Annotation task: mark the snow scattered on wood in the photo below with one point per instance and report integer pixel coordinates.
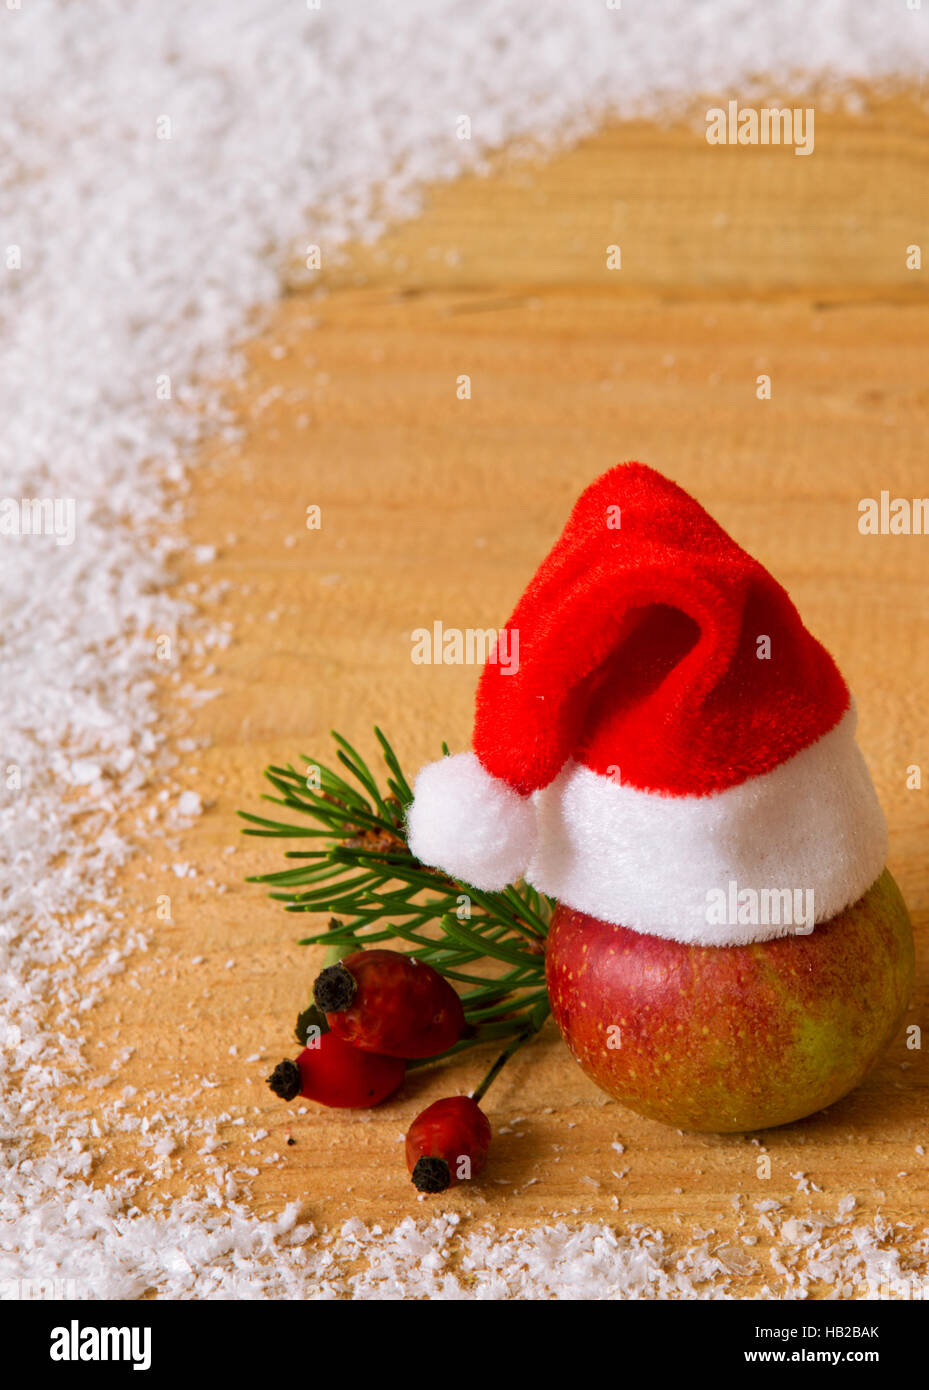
(158, 175)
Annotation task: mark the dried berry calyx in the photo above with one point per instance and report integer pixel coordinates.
(334, 990)
(285, 1079)
(431, 1175)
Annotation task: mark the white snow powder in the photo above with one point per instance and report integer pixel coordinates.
(158, 167)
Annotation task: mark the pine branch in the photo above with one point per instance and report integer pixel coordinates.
(366, 879)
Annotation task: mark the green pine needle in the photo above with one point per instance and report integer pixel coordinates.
(365, 878)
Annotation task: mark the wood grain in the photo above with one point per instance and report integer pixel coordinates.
(735, 262)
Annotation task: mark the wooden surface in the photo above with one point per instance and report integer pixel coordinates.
(735, 262)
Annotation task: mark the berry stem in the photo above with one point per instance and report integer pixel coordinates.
(521, 1038)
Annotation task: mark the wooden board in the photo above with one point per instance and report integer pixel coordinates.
(735, 262)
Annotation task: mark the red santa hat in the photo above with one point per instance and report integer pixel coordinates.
(663, 727)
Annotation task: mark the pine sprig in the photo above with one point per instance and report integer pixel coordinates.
(366, 879)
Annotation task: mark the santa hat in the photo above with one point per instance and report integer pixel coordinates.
(663, 727)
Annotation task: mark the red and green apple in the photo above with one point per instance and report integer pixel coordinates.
(732, 1037)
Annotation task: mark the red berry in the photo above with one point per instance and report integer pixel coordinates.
(388, 1002)
(333, 1073)
(447, 1143)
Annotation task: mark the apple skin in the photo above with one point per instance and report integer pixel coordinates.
(726, 1038)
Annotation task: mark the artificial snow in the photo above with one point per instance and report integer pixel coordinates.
(213, 1248)
(160, 169)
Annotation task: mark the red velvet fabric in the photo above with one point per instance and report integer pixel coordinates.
(638, 652)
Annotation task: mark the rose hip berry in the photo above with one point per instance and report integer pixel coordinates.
(335, 1074)
(447, 1143)
(388, 1002)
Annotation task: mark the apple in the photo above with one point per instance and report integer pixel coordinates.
(726, 1038)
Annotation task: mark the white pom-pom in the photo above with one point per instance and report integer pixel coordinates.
(469, 823)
